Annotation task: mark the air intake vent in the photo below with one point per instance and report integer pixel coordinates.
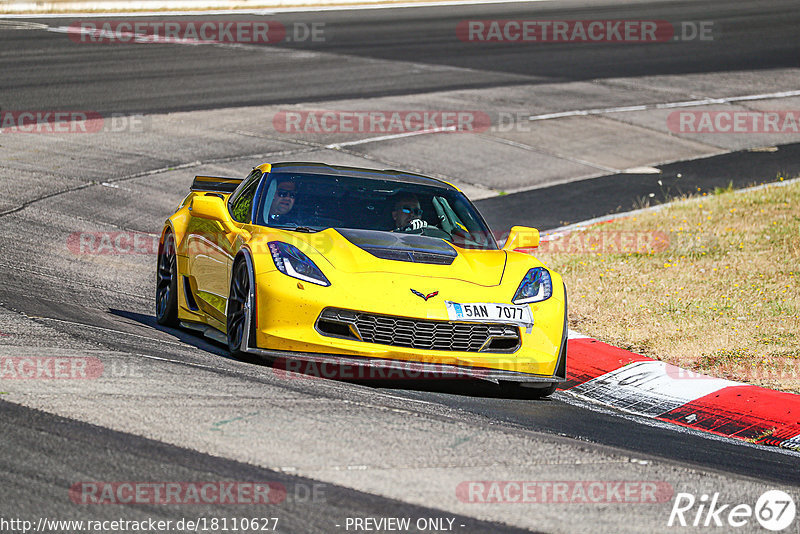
(410, 256)
(418, 333)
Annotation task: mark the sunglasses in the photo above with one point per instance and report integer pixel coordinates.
(409, 211)
(283, 193)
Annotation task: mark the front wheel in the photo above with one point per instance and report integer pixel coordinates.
(167, 283)
(239, 305)
(522, 391)
(538, 393)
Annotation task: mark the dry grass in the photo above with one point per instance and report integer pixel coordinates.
(709, 283)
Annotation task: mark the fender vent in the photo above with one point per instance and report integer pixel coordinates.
(187, 290)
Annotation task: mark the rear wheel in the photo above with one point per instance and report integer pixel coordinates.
(167, 283)
(239, 305)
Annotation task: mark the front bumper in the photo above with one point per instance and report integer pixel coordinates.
(287, 310)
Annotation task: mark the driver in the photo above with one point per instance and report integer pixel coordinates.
(283, 201)
(407, 214)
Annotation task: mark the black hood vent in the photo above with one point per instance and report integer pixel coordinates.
(401, 247)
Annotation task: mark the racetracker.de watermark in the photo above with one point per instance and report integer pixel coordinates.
(786, 369)
(115, 243)
(169, 493)
(50, 368)
(381, 121)
(194, 32)
(335, 369)
(563, 491)
(112, 243)
(71, 122)
(120, 243)
(68, 368)
(583, 31)
(606, 242)
(734, 122)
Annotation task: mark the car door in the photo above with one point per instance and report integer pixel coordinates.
(214, 246)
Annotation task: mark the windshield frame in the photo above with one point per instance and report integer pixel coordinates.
(433, 189)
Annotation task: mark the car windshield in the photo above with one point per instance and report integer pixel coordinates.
(313, 202)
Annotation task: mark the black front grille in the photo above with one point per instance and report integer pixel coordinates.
(418, 333)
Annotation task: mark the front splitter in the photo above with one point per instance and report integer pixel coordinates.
(355, 368)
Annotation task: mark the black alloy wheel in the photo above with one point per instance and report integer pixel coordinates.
(167, 284)
(238, 307)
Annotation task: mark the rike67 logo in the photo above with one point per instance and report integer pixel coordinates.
(774, 510)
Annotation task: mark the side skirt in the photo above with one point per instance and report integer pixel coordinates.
(208, 331)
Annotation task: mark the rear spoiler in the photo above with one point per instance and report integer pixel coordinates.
(215, 184)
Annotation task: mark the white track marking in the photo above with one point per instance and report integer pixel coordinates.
(336, 146)
(792, 443)
(664, 105)
(557, 233)
(577, 335)
(21, 25)
(572, 159)
(194, 4)
(182, 362)
(114, 330)
(570, 398)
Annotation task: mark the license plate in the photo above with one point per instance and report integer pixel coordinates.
(487, 312)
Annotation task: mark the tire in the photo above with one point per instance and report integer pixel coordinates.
(519, 391)
(538, 393)
(239, 308)
(167, 283)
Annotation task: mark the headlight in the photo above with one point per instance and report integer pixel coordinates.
(535, 287)
(290, 261)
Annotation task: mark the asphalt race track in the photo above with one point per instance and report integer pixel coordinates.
(172, 406)
(124, 78)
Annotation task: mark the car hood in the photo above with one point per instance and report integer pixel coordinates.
(363, 251)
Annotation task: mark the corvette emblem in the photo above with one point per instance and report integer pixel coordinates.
(426, 297)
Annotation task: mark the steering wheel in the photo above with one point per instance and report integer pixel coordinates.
(413, 225)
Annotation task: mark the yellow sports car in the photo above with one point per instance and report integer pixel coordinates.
(307, 261)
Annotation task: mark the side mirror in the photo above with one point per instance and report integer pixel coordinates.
(211, 207)
(522, 237)
(208, 207)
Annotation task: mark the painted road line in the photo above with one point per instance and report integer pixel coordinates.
(663, 105)
(337, 146)
(572, 334)
(793, 443)
(192, 6)
(563, 231)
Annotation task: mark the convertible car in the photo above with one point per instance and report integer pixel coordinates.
(302, 261)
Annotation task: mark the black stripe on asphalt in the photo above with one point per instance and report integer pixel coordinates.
(559, 205)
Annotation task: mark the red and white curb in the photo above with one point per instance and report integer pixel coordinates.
(636, 384)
